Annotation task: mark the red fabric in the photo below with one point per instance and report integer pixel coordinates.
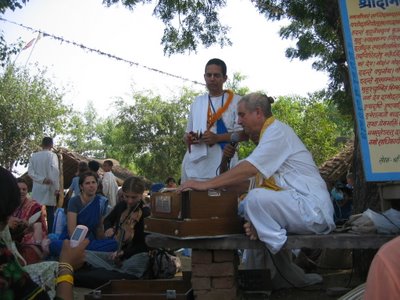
(31, 252)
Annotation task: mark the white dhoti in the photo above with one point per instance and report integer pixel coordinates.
(275, 213)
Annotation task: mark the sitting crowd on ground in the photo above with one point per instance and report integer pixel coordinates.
(116, 237)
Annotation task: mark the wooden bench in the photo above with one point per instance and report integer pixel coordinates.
(215, 263)
(240, 241)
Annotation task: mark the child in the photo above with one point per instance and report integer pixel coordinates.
(126, 224)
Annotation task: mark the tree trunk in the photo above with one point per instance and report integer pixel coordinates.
(365, 195)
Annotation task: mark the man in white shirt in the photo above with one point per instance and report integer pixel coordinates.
(212, 122)
(290, 195)
(110, 186)
(44, 170)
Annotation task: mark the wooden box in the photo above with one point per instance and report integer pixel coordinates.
(143, 289)
(194, 205)
(194, 227)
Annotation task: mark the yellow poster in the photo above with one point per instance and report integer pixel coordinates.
(372, 38)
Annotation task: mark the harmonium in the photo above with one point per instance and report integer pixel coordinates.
(194, 214)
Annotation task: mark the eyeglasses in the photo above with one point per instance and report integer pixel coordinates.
(215, 75)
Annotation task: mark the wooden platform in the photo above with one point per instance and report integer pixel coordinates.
(207, 265)
(240, 241)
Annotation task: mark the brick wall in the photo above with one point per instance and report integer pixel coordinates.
(213, 274)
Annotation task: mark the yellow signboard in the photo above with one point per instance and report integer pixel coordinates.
(372, 39)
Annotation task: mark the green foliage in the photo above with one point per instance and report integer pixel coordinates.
(187, 23)
(112, 138)
(84, 133)
(11, 4)
(317, 123)
(234, 84)
(7, 50)
(245, 148)
(315, 24)
(149, 134)
(30, 107)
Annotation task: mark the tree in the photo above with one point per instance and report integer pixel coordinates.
(30, 107)
(112, 137)
(317, 123)
(316, 26)
(7, 50)
(150, 132)
(235, 84)
(83, 133)
(11, 4)
(187, 23)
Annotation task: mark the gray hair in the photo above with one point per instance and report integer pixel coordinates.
(254, 100)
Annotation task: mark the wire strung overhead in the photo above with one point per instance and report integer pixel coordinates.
(131, 63)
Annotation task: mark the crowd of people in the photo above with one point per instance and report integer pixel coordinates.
(281, 192)
(115, 240)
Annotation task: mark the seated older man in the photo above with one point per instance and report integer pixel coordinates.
(288, 194)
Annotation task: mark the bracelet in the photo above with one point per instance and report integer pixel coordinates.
(65, 278)
(64, 272)
(67, 266)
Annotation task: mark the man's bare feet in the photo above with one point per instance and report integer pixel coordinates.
(250, 231)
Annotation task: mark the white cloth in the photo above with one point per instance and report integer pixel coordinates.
(199, 120)
(110, 188)
(303, 206)
(203, 165)
(44, 164)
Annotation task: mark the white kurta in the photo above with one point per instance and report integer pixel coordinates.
(203, 162)
(44, 164)
(303, 205)
(110, 188)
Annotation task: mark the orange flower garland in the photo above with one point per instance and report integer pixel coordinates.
(220, 111)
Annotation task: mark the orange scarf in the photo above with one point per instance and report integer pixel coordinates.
(212, 118)
(268, 183)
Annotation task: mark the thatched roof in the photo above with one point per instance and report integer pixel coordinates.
(69, 164)
(338, 166)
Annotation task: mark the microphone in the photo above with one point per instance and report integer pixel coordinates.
(234, 142)
(226, 161)
(235, 138)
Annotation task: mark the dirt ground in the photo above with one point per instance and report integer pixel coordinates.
(334, 268)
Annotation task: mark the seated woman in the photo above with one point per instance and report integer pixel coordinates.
(125, 223)
(87, 209)
(16, 282)
(28, 227)
(74, 188)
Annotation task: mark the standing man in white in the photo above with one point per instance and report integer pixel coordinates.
(110, 186)
(44, 170)
(211, 124)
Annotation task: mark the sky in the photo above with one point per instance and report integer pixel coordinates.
(135, 35)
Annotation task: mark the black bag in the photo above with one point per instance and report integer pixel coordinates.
(163, 264)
